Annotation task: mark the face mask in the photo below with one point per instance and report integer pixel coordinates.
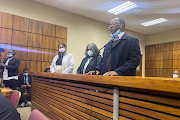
(9, 56)
(175, 76)
(116, 33)
(90, 53)
(25, 73)
(62, 50)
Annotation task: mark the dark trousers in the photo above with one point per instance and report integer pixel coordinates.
(11, 83)
(25, 98)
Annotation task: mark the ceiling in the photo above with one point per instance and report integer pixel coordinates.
(151, 9)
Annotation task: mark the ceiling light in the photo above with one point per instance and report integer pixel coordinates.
(153, 22)
(122, 8)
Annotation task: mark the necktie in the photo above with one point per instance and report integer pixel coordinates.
(25, 80)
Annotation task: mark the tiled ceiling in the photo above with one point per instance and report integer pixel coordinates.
(151, 9)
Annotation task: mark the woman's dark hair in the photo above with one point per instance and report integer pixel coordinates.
(93, 48)
(46, 69)
(62, 44)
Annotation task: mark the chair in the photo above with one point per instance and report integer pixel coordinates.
(15, 97)
(37, 115)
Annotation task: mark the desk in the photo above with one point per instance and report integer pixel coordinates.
(7, 92)
(82, 97)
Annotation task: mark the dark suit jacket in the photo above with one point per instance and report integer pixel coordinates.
(21, 80)
(7, 110)
(91, 65)
(125, 56)
(13, 66)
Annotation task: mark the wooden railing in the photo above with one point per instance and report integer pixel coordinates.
(81, 97)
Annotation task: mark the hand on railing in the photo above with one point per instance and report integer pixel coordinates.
(93, 72)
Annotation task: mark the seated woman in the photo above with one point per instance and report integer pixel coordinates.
(63, 62)
(88, 63)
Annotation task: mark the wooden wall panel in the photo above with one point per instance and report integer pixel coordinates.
(58, 41)
(160, 47)
(5, 20)
(159, 64)
(61, 32)
(176, 64)
(168, 73)
(176, 54)
(152, 48)
(168, 64)
(35, 26)
(5, 35)
(49, 29)
(48, 42)
(159, 72)
(20, 38)
(159, 55)
(23, 64)
(176, 45)
(45, 65)
(146, 49)
(20, 23)
(34, 54)
(35, 40)
(168, 46)
(21, 52)
(168, 55)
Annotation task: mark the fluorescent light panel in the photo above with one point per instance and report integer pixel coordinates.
(153, 22)
(122, 8)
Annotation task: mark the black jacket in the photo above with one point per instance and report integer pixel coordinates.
(13, 66)
(21, 80)
(91, 65)
(125, 56)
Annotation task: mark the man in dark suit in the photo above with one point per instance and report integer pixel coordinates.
(25, 82)
(7, 110)
(10, 67)
(122, 54)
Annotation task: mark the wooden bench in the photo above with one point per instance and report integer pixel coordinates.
(80, 97)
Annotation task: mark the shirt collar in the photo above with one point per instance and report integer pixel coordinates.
(119, 36)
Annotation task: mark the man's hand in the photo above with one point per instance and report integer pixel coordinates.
(93, 72)
(28, 85)
(2, 64)
(24, 86)
(110, 73)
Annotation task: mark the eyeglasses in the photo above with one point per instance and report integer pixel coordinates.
(113, 24)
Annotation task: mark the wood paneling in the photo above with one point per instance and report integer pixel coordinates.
(35, 26)
(176, 54)
(152, 48)
(49, 42)
(160, 47)
(61, 32)
(5, 20)
(168, 55)
(20, 23)
(35, 40)
(21, 52)
(176, 64)
(58, 41)
(34, 54)
(168, 46)
(49, 29)
(159, 55)
(176, 45)
(168, 64)
(5, 35)
(168, 73)
(20, 38)
(23, 64)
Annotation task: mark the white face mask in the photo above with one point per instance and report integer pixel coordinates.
(62, 50)
(175, 76)
(90, 53)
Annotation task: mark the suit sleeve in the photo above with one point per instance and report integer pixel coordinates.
(134, 59)
(15, 67)
(1, 67)
(19, 81)
(79, 68)
(99, 60)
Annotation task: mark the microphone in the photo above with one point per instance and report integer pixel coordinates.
(97, 56)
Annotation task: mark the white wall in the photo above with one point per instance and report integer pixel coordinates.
(81, 30)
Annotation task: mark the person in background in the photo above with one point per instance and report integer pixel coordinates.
(47, 70)
(10, 67)
(88, 63)
(25, 81)
(63, 62)
(7, 109)
(122, 54)
(176, 74)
